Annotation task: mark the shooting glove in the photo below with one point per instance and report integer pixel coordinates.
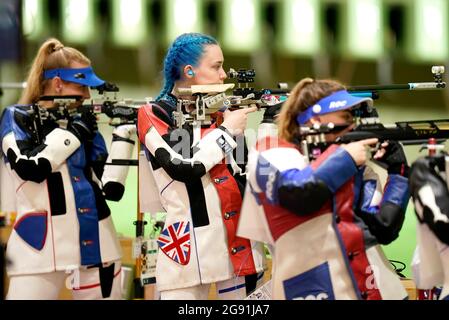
(271, 113)
(83, 127)
(395, 159)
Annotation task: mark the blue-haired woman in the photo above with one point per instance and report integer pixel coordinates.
(199, 180)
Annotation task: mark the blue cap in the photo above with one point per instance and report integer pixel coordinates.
(84, 76)
(340, 100)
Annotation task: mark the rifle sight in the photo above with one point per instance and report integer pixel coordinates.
(242, 75)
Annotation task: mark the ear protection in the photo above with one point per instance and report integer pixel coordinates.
(190, 72)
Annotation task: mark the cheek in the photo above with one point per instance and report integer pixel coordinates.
(66, 91)
(208, 77)
(71, 89)
(75, 91)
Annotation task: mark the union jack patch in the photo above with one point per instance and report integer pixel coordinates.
(174, 241)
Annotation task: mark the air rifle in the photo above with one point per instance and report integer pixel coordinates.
(11, 86)
(119, 111)
(208, 99)
(313, 139)
(65, 107)
(245, 95)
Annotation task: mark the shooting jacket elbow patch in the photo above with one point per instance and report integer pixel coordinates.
(29, 169)
(301, 192)
(178, 169)
(182, 166)
(386, 224)
(304, 200)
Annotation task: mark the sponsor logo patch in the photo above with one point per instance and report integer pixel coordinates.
(314, 284)
(224, 145)
(338, 104)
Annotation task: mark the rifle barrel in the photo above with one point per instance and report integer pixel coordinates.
(13, 85)
(379, 87)
(407, 86)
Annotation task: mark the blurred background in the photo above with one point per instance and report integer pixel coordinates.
(357, 42)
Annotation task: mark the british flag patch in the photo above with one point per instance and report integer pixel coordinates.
(174, 241)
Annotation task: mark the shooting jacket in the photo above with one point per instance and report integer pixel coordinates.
(431, 198)
(324, 220)
(60, 188)
(200, 186)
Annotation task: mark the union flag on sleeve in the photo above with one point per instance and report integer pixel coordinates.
(174, 241)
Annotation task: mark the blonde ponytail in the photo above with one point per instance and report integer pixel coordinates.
(306, 93)
(51, 55)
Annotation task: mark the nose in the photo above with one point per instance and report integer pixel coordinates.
(86, 94)
(223, 74)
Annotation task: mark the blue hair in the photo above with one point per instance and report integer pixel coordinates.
(188, 48)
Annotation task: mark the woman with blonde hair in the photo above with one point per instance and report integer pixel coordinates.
(63, 226)
(325, 218)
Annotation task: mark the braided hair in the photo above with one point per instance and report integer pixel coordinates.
(186, 49)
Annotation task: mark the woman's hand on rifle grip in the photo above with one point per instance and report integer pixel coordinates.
(358, 150)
